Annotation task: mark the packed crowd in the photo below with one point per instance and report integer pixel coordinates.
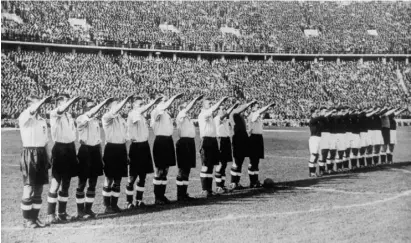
(295, 86)
(272, 26)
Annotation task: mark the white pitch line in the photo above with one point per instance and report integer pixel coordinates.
(227, 218)
(403, 170)
(337, 191)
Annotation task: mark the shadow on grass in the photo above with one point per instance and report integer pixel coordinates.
(280, 188)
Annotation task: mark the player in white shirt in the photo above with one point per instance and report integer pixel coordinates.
(224, 133)
(209, 145)
(63, 157)
(185, 148)
(34, 162)
(115, 154)
(141, 162)
(256, 151)
(163, 147)
(89, 157)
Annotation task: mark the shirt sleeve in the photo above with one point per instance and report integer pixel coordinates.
(24, 117)
(82, 121)
(181, 115)
(208, 114)
(255, 116)
(107, 118)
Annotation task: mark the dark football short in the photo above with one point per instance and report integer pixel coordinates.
(115, 160)
(164, 152)
(226, 154)
(209, 151)
(186, 153)
(90, 161)
(140, 159)
(34, 165)
(256, 146)
(64, 160)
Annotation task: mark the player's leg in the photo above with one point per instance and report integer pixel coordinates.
(220, 177)
(236, 172)
(160, 183)
(253, 172)
(339, 160)
(80, 196)
(37, 201)
(182, 186)
(107, 191)
(63, 198)
(354, 158)
(115, 194)
(140, 188)
(322, 161)
(52, 198)
(313, 143)
(90, 195)
(369, 155)
(331, 160)
(206, 177)
(130, 191)
(27, 206)
(390, 153)
(383, 153)
(346, 159)
(376, 153)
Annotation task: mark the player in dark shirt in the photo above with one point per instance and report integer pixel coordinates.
(355, 138)
(315, 125)
(325, 137)
(333, 124)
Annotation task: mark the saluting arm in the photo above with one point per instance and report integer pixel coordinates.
(35, 107)
(191, 104)
(243, 107)
(97, 108)
(389, 112)
(400, 111)
(372, 112)
(229, 111)
(171, 100)
(149, 105)
(64, 108)
(122, 103)
(218, 104)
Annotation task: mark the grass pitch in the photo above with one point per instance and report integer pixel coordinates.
(368, 206)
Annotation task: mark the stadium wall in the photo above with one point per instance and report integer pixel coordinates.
(199, 54)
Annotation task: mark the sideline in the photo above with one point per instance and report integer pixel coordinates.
(229, 217)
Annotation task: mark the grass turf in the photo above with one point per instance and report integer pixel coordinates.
(369, 206)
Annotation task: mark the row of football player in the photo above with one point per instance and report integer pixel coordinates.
(88, 164)
(343, 136)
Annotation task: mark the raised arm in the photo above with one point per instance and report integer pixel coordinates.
(400, 111)
(243, 107)
(371, 113)
(262, 110)
(218, 104)
(97, 108)
(191, 104)
(330, 112)
(171, 100)
(149, 105)
(63, 108)
(122, 103)
(389, 112)
(229, 111)
(35, 107)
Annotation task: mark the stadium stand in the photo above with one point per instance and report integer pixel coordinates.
(261, 27)
(295, 86)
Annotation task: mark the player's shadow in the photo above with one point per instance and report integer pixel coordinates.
(259, 194)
